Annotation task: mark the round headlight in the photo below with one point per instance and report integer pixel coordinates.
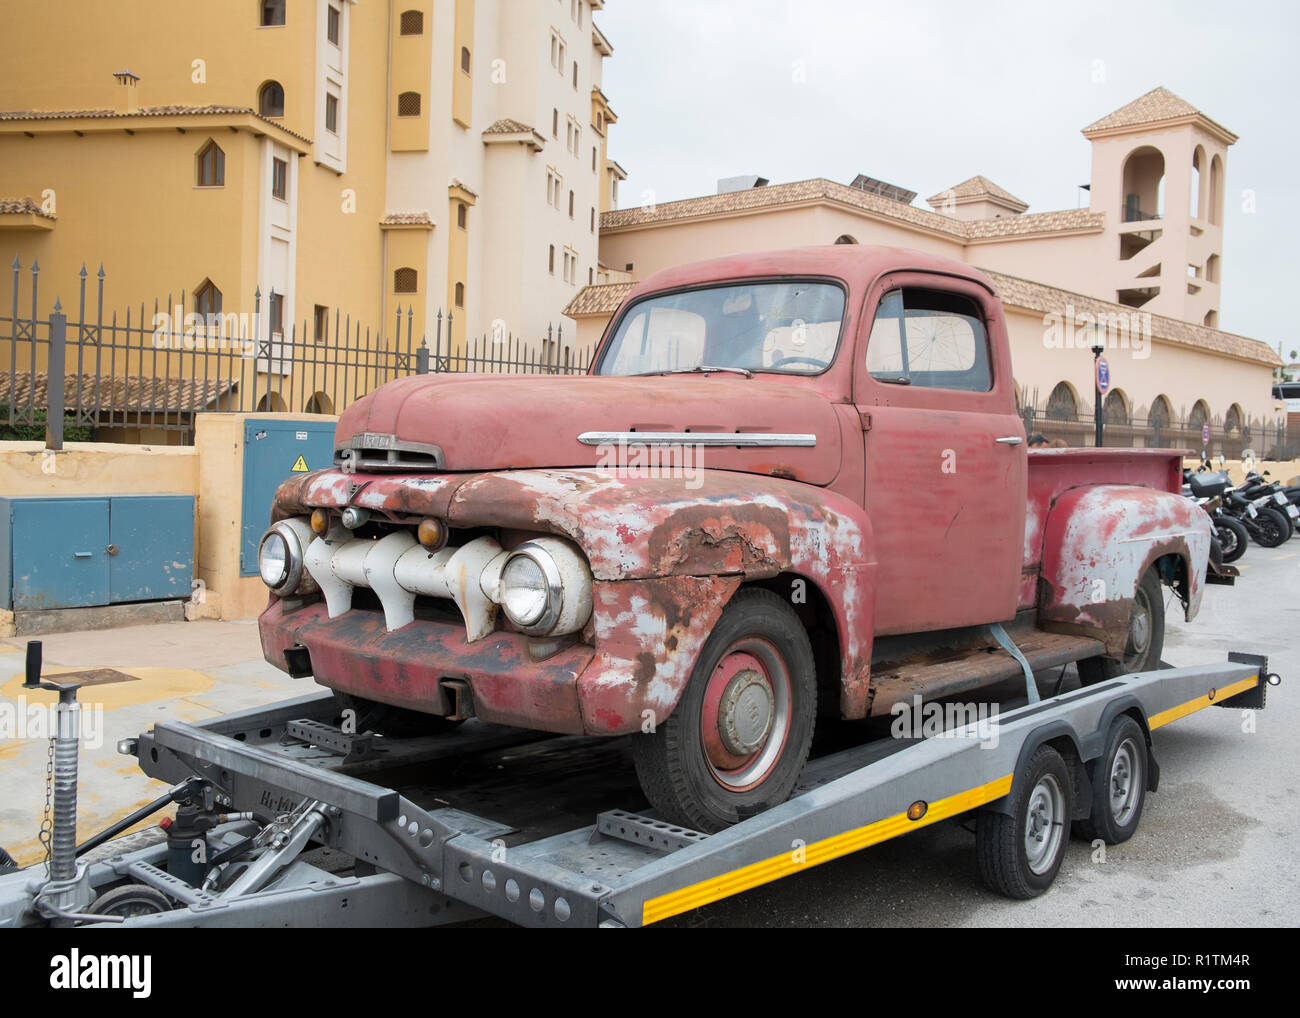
(273, 559)
(280, 557)
(526, 591)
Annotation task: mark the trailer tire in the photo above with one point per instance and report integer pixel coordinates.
(395, 722)
(1119, 785)
(7, 864)
(1040, 817)
(737, 741)
(1146, 636)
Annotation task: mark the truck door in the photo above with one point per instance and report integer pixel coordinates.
(945, 454)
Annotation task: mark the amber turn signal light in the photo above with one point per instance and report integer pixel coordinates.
(431, 533)
(917, 809)
(320, 521)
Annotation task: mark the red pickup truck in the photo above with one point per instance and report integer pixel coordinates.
(792, 484)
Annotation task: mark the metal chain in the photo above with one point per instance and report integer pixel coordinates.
(47, 821)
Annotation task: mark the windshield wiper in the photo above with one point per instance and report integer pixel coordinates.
(700, 369)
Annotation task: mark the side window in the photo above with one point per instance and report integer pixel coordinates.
(929, 338)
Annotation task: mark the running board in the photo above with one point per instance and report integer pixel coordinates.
(934, 675)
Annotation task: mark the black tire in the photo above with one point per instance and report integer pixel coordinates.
(131, 900)
(1272, 528)
(1233, 538)
(1119, 785)
(1040, 815)
(707, 775)
(1146, 637)
(396, 722)
(7, 864)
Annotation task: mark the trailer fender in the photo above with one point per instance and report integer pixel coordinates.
(1066, 740)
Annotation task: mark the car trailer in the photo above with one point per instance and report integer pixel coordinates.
(285, 819)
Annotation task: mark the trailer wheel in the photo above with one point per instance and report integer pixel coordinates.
(7, 864)
(396, 722)
(738, 739)
(1119, 785)
(1146, 636)
(1019, 855)
(131, 900)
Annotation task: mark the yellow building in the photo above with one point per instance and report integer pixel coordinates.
(337, 158)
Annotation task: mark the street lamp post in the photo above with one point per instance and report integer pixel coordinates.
(1097, 349)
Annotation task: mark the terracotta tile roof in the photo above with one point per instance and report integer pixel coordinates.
(1023, 293)
(1035, 222)
(507, 127)
(818, 188)
(978, 187)
(1156, 106)
(146, 111)
(10, 206)
(132, 393)
(406, 219)
(1020, 293)
(828, 190)
(598, 300)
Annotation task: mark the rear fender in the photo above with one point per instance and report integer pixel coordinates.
(1099, 541)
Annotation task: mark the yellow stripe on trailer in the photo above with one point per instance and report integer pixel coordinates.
(716, 888)
(1192, 706)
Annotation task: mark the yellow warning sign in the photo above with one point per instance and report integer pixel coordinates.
(299, 466)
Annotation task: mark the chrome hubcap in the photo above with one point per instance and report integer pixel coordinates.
(746, 712)
(1125, 782)
(1044, 823)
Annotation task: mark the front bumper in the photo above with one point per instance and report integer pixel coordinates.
(354, 653)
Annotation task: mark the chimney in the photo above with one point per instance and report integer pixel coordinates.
(127, 96)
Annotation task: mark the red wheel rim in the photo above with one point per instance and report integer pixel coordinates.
(746, 714)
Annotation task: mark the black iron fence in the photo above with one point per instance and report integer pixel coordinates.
(139, 369)
(1070, 427)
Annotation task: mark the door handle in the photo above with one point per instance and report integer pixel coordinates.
(1010, 440)
(81, 554)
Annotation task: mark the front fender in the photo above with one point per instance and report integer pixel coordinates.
(1098, 543)
(716, 530)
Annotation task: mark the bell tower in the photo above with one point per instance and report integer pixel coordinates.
(1158, 168)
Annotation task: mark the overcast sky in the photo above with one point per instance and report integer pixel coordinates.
(924, 95)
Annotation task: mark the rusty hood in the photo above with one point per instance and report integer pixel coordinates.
(491, 422)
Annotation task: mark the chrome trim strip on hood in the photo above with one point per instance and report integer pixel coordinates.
(743, 439)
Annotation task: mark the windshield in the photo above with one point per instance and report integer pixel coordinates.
(790, 327)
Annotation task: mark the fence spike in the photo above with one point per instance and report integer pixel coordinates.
(83, 272)
(17, 264)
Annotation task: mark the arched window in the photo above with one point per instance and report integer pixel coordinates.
(1144, 178)
(1062, 404)
(211, 166)
(319, 404)
(1160, 413)
(1232, 419)
(406, 280)
(462, 214)
(408, 104)
(1216, 191)
(460, 295)
(272, 402)
(207, 299)
(1199, 416)
(845, 238)
(272, 13)
(1196, 201)
(1114, 409)
(412, 23)
(464, 59)
(1212, 269)
(1211, 319)
(270, 100)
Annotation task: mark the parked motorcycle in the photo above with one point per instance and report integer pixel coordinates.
(1206, 490)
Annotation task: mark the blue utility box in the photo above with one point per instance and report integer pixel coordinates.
(77, 551)
(275, 450)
